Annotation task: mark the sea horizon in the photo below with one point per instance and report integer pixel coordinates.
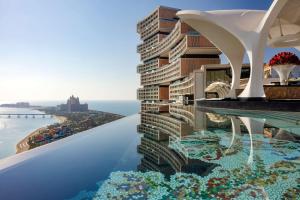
(122, 107)
(13, 130)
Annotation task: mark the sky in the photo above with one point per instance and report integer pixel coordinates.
(51, 49)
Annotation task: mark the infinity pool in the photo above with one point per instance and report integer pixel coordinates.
(186, 153)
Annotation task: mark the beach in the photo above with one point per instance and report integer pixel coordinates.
(23, 145)
(60, 119)
(77, 122)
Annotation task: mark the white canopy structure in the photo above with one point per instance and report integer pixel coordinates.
(220, 88)
(285, 31)
(235, 32)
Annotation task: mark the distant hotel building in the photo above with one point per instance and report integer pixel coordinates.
(16, 105)
(73, 105)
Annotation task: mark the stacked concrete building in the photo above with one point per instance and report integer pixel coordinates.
(171, 52)
(172, 55)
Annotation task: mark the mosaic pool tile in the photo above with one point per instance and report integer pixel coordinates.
(245, 166)
(256, 182)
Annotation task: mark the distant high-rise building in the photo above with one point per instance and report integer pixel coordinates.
(73, 105)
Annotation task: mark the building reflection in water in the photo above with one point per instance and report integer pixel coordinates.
(175, 134)
(158, 129)
(184, 138)
(191, 153)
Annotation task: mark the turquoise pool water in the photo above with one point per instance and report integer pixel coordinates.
(186, 153)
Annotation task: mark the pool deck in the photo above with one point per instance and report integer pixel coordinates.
(252, 104)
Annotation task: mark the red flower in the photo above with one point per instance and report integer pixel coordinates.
(283, 58)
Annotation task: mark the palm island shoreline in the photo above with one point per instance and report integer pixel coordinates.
(23, 145)
(72, 118)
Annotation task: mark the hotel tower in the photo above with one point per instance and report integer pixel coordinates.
(172, 59)
(171, 54)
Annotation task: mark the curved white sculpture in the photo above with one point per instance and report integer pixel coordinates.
(254, 126)
(236, 129)
(221, 38)
(235, 32)
(220, 88)
(283, 71)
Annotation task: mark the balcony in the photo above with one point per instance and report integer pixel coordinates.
(193, 44)
(162, 75)
(168, 42)
(185, 113)
(163, 19)
(149, 43)
(154, 107)
(151, 65)
(153, 93)
(156, 26)
(181, 87)
(166, 124)
(181, 68)
(151, 132)
(147, 21)
(151, 155)
(175, 160)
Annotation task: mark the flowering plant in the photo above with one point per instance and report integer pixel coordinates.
(284, 58)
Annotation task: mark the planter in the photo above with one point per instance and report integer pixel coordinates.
(283, 71)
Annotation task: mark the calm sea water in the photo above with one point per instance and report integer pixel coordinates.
(14, 129)
(123, 107)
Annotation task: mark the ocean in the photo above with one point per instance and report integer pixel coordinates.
(122, 107)
(14, 129)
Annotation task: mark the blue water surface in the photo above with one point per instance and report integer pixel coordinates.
(62, 169)
(186, 153)
(14, 129)
(122, 107)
